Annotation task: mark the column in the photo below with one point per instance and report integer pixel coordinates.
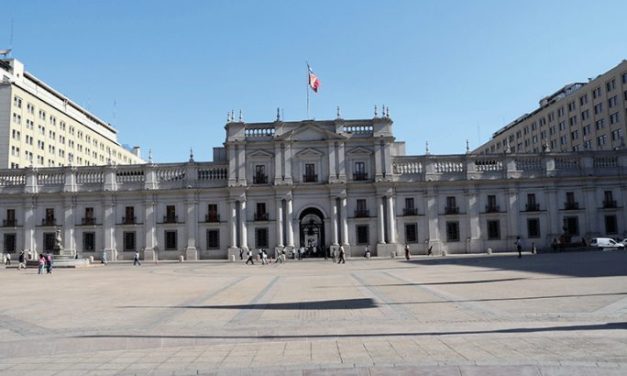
(344, 203)
(288, 162)
(341, 160)
(590, 225)
(241, 163)
(30, 206)
(381, 220)
(474, 225)
(150, 231)
(334, 221)
(332, 169)
(378, 168)
(191, 225)
(512, 211)
(108, 226)
(391, 220)
(243, 225)
(232, 163)
(290, 232)
(69, 241)
(278, 172)
(551, 202)
(279, 222)
(233, 223)
(432, 216)
(387, 160)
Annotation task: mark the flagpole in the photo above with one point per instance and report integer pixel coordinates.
(307, 88)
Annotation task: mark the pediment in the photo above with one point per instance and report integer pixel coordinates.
(260, 154)
(359, 151)
(310, 132)
(309, 153)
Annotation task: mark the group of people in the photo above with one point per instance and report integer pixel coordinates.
(21, 259)
(45, 262)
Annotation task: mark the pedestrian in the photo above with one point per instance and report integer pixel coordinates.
(342, 259)
(533, 248)
(21, 264)
(367, 253)
(554, 245)
(430, 250)
(104, 258)
(407, 251)
(250, 257)
(264, 257)
(49, 263)
(136, 259)
(518, 246)
(241, 253)
(42, 263)
(301, 250)
(8, 259)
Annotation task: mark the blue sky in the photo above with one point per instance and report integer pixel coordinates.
(165, 73)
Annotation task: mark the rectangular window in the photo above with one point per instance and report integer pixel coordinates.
(129, 217)
(260, 175)
(533, 228)
(571, 226)
(596, 93)
(10, 243)
(310, 173)
(89, 241)
(452, 231)
(494, 230)
(612, 101)
(362, 234)
(213, 239)
(129, 241)
(261, 237)
(411, 233)
(614, 118)
(212, 213)
(170, 240)
(611, 85)
(360, 171)
(170, 214)
(611, 226)
(598, 108)
(49, 241)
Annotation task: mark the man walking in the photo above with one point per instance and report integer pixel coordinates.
(21, 264)
(407, 252)
(342, 259)
(136, 259)
(518, 246)
(241, 253)
(8, 259)
(250, 257)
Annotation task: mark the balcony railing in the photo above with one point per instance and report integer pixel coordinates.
(410, 211)
(531, 207)
(129, 220)
(310, 178)
(451, 210)
(360, 176)
(9, 222)
(362, 213)
(571, 205)
(212, 218)
(492, 209)
(261, 216)
(260, 179)
(88, 221)
(49, 222)
(170, 219)
(609, 204)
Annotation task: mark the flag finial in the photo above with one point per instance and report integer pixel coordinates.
(278, 114)
(149, 155)
(427, 148)
(191, 154)
(241, 116)
(467, 147)
(338, 115)
(375, 110)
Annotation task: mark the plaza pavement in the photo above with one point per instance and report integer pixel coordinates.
(549, 314)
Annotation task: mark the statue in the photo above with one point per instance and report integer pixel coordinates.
(58, 244)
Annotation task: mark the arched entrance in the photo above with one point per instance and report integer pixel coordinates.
(311, 224)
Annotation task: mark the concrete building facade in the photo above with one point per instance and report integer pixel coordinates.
(579, 117)
(316, 184)
(41, 127)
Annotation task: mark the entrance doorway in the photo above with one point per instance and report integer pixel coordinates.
(311, 223)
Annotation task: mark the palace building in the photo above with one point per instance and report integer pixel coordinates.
(316, 184)
(41, 127)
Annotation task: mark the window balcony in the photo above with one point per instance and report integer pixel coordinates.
(410, 211)
(571, 205)
(492, 209)
(609, 204)
(49, 222)
(260, 179)
(360, 176)
(310, 178)
(170, 219)
(9, 222)
(88, 221)
(261, 216)
(451, 210)
(129, 220)
(362, 213)
(212, 218)
(531, 207)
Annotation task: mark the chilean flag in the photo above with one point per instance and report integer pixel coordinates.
(314, 82)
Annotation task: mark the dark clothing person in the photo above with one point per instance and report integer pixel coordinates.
(49, 263)
(136, 259)
(518, 246)
(407, 252)
(241, 254)
(250, 258)
(342, 259)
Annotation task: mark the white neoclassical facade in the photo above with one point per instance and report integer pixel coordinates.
(316, 184)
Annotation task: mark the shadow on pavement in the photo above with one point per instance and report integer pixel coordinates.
(321, 304)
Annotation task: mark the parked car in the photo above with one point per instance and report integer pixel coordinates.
(606, 243)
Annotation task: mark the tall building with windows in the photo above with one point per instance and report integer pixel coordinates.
(580, 116)
(41, 127)
(283, 185)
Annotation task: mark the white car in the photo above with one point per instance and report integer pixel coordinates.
(606, 243)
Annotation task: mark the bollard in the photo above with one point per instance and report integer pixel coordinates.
(91, 259)
(232, 258)
(181, 258)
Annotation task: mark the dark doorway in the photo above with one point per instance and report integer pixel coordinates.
(311, 223)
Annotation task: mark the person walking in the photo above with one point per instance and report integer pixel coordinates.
(250, 257)
(8, 259)
(49, 263)
(136, 259)
(241, 253)
(342, 259)
(518, 246)
(42, 263)
(264, 257)
(407, 251)
(21, 264)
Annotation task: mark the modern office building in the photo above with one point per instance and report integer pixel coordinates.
(580, 116)
(41, 127)
(316, 184)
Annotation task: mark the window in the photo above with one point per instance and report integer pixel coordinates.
(129, 215)
(571, 106)
(261, 214)
(611, 85)
(452, 231)
(560, 112)
(494, 230)
(561, 125)
(10, 220)
(212, 213)
(574, 135)
(611, 226)
(170, 239)
(362, 234)
(598, 108)
(596, 93)
(89, 217)
(170, 214)
(310, 173)
(533, 228)
(612, 101)
(49, 218)
(411, 233)
(608, 200)
(128, 241)
(451, 204)
(360, 171)
(599, 124)
(617, 135)
(625, 78)
(213, 239)
(89, 242)
(583, 99)
(571, 226)
(614, 118)
(10, 243)
(585, 115)
(261, 237)
(586, 130)
(601, 140)
(491, 207)
(49, 241)
(260, 175)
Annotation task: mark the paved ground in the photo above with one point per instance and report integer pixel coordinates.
(555, 314)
